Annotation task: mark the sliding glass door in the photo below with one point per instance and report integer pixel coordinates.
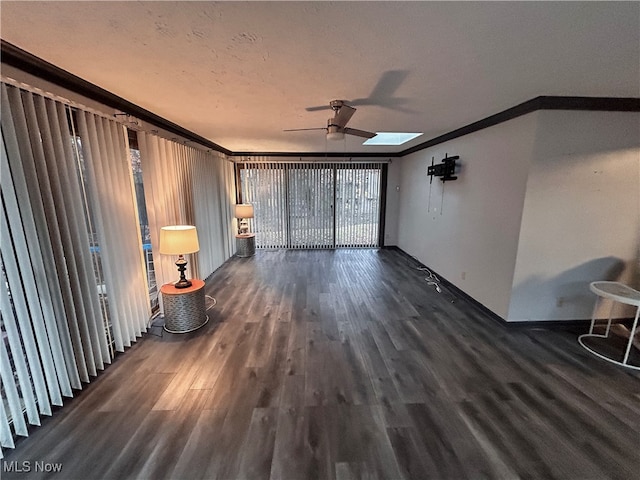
(357, 206)
(265, 187)
(313, 205)
(311, 211)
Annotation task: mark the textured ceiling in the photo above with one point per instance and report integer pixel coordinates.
(238, 73)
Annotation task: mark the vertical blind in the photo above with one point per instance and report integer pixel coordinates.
(113, 204)
(187, 186)
(313, 205)
(73, 284)
(74, 288)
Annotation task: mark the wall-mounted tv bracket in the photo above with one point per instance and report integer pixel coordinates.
(445, 171)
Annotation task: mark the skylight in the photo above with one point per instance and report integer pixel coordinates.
(391, 138)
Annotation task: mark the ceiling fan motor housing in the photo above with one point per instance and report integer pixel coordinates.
(336, 104)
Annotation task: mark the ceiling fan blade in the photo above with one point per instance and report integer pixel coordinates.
(383, 93)
(357, 102)
(330, 106)
(343, 115)
(303, 129)
(359, 133)
(318, 108)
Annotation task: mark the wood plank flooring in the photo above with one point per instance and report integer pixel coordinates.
(345, 365)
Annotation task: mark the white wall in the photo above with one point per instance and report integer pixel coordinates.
(581, 218)
(393, 203)
(544, 204)
(469, 235)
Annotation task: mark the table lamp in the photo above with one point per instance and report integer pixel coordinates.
(179, 240)
(243, 211)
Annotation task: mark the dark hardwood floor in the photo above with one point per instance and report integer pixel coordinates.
(346, 365)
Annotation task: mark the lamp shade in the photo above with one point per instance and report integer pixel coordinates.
(244, 210)
(178, 240)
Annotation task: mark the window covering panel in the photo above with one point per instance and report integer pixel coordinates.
(188, 186)
(26, 247)
(72, 266)
(112, 198)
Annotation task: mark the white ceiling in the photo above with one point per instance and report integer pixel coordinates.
(238, 73)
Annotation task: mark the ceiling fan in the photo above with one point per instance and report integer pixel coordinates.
(336, 127)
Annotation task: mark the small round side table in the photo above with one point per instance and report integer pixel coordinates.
(246, 244)
(615, 292)
(184, 308)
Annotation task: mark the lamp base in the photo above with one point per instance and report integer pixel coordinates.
(183, 283)
(243, 228)
(181, 263)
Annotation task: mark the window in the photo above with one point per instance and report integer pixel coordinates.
(92, 234)
(65, 222)
(313, 205)
(143, 219)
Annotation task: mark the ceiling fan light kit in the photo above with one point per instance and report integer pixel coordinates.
(334, 133)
